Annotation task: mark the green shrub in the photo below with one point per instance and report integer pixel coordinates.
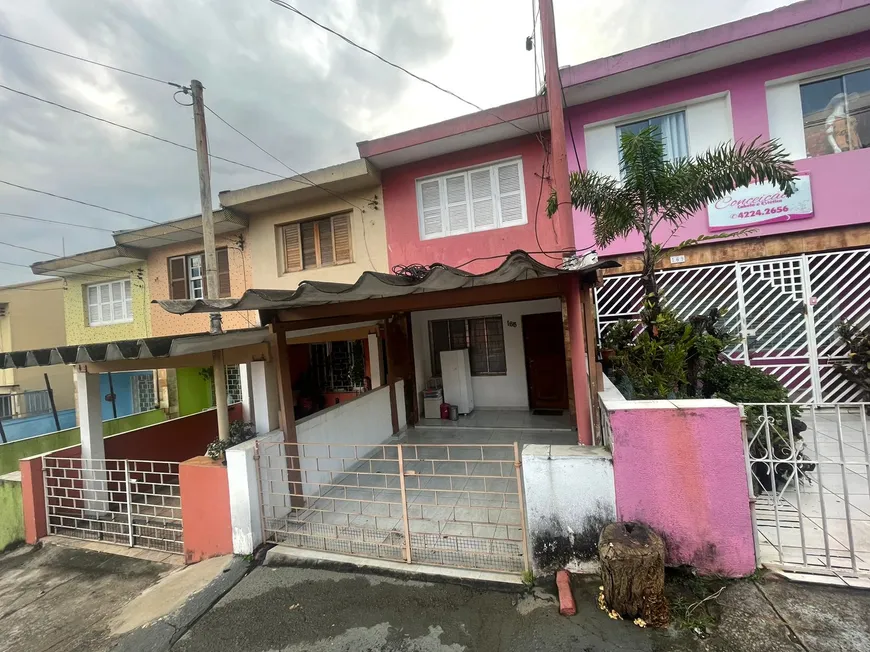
(857, 340)
(239, 431)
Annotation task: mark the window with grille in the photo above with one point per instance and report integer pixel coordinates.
(109, 303)
(317, 243)
(234, 384)
(482, 336)
(338, 366)
(144, 398)
(477, 199)
(187, 277)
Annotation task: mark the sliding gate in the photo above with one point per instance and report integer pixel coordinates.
(446, 505)
(786, 311)
(128, 502)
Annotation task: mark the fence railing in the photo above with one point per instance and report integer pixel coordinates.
(450, 505)
(809, 471)
(25, 404)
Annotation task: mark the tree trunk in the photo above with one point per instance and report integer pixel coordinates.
(651, 301)
(633, 572)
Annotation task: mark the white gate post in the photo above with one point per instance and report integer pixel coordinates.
(264, 388)
(93, 447)
(249, 409)
(812, 347)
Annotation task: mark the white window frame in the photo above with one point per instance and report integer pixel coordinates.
(191, 290)
(466, 172)
(619, 124)
(125, 300)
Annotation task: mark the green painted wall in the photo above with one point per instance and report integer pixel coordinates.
(11, 513)
(194, 391)
(15, 450)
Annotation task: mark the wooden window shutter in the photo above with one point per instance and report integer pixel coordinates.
(341, 238)
(309, 245)
(223, 264)
(326, 250)
(177, 277)
(292, 248)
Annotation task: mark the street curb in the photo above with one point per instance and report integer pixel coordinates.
(162, 634)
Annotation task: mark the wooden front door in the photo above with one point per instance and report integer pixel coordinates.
(546, 370)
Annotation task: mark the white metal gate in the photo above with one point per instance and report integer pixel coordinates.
(786, 311)
(811, 486)
(129, 502)
(447, 505)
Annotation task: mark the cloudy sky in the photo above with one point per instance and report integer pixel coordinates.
(301, 93)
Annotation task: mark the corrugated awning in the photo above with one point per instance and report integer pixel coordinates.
(142, 349)
(519, 266)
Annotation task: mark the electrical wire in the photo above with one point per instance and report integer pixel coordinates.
(347, 40)
(74, 258)
(91, 61)
(307, 179)
(47, 221)
(137, 131)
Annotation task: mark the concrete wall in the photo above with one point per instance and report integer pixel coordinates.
(241, 276)
(369, 244)
(11, 511)
(761, 94)
(13, 451)
(570, 497)
(35, 320)
(193, 391)
(508, 391)
(205, 515)
(679, 467)
(76, 313)
(16, 429)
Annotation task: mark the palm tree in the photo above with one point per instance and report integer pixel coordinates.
(653, 191)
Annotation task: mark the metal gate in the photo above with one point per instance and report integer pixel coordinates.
(811, 486)
(786, 311)
(446, 505)
(129, 502)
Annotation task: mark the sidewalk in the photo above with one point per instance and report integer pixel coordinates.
(313, 610)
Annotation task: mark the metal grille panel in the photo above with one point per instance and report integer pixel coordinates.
(785, 309)
(446, 505)
(129, 502)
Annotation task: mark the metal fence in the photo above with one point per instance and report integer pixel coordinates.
(25, 404)
(130, 502)
(447, 505)
(786, 311)
(809, 470)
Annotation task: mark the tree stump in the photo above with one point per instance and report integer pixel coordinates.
(633, 572)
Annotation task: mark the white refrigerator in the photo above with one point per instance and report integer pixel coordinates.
(456, 378)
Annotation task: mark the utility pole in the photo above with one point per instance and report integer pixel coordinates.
(211, 271)
(559, 148)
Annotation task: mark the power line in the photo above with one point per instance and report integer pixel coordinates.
(347, 40)
(91, 61)
(80, 260)
(312, 183)
(47, 221)
(137, 131)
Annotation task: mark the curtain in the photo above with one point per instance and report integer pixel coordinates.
(673, 131)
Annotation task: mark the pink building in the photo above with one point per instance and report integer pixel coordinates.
(799, 74)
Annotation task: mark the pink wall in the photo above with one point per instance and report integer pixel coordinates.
(836, 180)
(681, 470)
(404, 245)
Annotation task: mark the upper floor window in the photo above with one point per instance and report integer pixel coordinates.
(187, 278)
(109, 303)
(671, 131)
(317, 243)
(477, 199)
(836, 113)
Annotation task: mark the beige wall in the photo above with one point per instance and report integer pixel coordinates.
(239, 255)
(368, 237)
(35, 320)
